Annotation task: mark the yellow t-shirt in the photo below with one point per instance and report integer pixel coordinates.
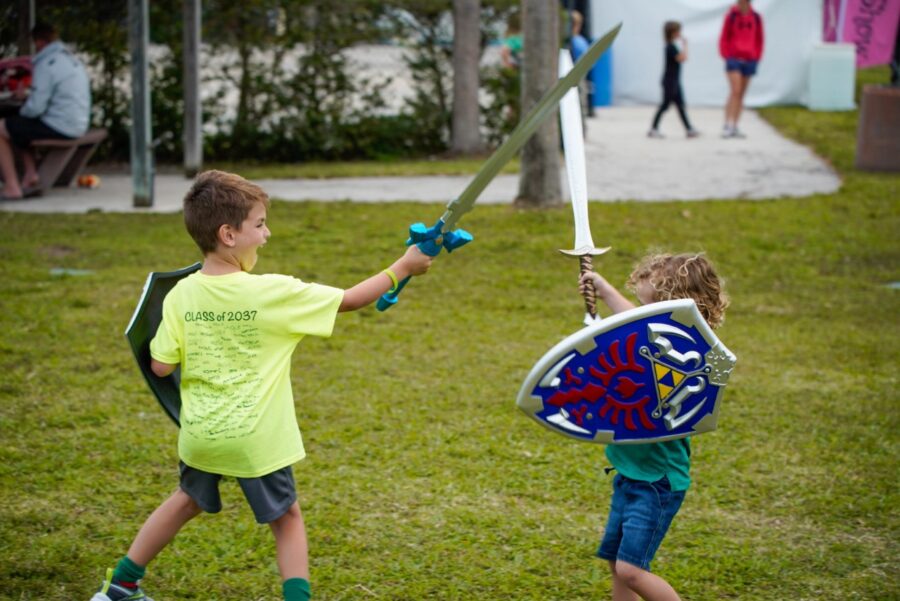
(233, 336)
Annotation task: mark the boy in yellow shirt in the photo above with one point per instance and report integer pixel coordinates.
(233, 334)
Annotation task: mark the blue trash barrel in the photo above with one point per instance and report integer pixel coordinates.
(601, 76)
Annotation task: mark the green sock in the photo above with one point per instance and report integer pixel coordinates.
(296, 589)
(127, 572)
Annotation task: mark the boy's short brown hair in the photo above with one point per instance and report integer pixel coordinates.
(684, 276)
(218, 198)
(670, 30)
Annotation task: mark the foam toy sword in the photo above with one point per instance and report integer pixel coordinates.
(430, 240)
(573, 144)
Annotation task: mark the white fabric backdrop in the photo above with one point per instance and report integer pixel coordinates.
(792, 29)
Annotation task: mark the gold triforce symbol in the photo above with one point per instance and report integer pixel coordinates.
(667, 380)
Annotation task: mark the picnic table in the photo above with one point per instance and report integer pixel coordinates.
(59, 161)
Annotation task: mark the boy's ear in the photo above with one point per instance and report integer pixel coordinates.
(225, 234)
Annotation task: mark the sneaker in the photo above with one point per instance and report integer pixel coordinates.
(114, 592)
(655, 133)
(727, 131)
(692, 133)
(736, 133)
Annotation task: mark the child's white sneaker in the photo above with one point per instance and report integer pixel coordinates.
(655, 133)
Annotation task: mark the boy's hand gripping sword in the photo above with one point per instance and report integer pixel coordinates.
(441, 234)
(573, 143)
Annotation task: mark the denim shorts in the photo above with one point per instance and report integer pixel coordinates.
(747, 68)
(639, 517)
(269, 496)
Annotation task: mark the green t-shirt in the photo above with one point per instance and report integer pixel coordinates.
(233, 336)
(650, 462)
(514, 43)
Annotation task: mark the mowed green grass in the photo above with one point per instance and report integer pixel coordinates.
(423, 480)
(323, 170)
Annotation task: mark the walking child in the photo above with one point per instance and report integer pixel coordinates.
(233, 334)
(671, 80)
(652, 478)
(741, 45)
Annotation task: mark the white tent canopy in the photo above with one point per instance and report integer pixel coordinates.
(792, 29)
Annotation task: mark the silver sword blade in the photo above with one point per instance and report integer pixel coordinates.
(573, 144)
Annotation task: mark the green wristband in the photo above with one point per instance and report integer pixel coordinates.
(393, 277)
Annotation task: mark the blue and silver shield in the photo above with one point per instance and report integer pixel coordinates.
(650, 374)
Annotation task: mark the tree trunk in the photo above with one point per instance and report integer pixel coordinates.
(465, 135)
(539, 181)
(242, 117)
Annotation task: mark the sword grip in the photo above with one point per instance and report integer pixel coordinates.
(590, 295)
(426, 239)
(423, 237)
(389, 299)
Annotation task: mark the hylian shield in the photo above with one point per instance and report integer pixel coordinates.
(141, 330)
(650, 374)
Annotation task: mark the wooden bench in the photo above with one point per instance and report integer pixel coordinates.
(60, 161)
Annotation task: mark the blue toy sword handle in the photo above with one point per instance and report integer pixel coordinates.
(425, 239)
(389, 299)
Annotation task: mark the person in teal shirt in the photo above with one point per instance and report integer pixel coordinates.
(651, 479)
(511, 50)
(233, 333)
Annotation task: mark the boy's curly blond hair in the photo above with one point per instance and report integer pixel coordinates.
(684, 276)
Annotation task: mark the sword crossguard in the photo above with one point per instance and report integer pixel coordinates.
(585, 250)
(426, 238)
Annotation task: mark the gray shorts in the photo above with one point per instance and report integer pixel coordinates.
(269, 496)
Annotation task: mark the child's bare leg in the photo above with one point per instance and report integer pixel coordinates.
(741, 91)
(620, 590)
(646, 584)
(291, 545)
(30, 176)
(11, 187)
(162, 526)
(732, 106)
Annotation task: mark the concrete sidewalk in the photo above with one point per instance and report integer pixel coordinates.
(623, 164)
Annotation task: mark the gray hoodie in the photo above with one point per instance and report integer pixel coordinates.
(60, 91)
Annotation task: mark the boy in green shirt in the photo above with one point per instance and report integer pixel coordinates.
(233, 334)
(652, 478)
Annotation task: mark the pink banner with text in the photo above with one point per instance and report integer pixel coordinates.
(870, 24)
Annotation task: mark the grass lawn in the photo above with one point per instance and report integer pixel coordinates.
(320, 170)
(423, 480)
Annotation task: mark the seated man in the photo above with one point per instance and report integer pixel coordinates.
(58, 106)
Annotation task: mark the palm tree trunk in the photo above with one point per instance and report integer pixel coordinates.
(465, 135)
(539, 181)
